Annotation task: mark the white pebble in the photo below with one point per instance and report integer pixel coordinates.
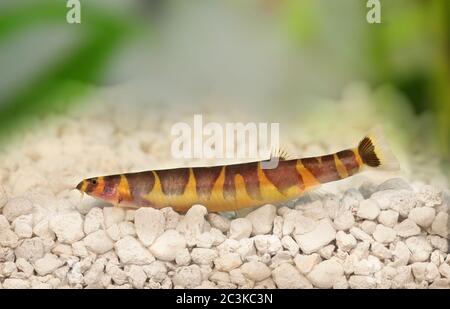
(191, 226)
(323, 234)
(423, 216)
(98, 242)
(131, 251)
(407, 228)
(388, 218)
(68, 227)
(344, 241)
(262, 219)
(255, 271)
(368, 209)
(240, 228)
(384, 234)
(187, 276)
(440, 225)
(219, 222)
(113, 215)
(203, 256)
(166, 246)
(94, 220)
(295, 222)
(16, 207)
(289, 244)
(47, 265)
(137, 276)
(305, 263)
(325, 274)
(149, 224)
(228, 262)
(344, 221)
(287, 276)
(183, 257)
(362, 282)
(419, 247)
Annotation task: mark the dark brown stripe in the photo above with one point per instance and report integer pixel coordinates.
(348, 159)
(140, 184)
(323, 168)
(173, 181)
(205, 178)
(249, 171)
(111, 184)
(285, 176)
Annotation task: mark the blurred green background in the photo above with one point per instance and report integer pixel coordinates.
(273, 52)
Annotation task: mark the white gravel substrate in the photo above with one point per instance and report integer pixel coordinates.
(381, 234)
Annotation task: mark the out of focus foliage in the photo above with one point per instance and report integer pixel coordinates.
(409, 51)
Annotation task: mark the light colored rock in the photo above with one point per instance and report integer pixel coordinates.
(113, 215)
(93, 276)
(68, 227)
(323, 234)
(384, 234)
(401, 254)
(7, 269)
(444, 269)
(423, 216)
(137, 276)
(171, 218)
(31, 249)
(47, 265)
(394, 184)
(344, 241)
(23, 226)
(407, 228)
(267, 244)
(294, 222)
(129, 214)
(439, 242)
(440, 284)
(25, 267)
(287, 276)
(131, 251)
(183, 257)
(305, 263)
(403, 277)
(166, 246)
(16, 207)
(419, 247)
(380, 251)
(7, 237)
(327, 251)
(12, 283)
(367, 266)
(206, 239)
(156, 271)
(42, 229)
(191, 226)
(114, 232)
(313, 210)
(289, 244)
(246, 248)
(203, 256)
(149, 224)
(362, 282)
(3, 197)
(126, 228)
(255, 271)
(228, 262)
(360, 234)
(325, 274)
(262, 219)
(62, 250)
(187, 276)
(240, 228)
(429, 196)
(94, 220)
(368, 209)
(425, 271)
(98, 242)
(344, 221)
(388, 218)
(368, 226)
(219, 222)
(441, 224)
(79, 249)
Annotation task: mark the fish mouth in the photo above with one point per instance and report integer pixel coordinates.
(81, 185)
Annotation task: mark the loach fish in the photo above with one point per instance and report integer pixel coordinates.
(237, 186)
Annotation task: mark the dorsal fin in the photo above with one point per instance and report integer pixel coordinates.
(282, 154)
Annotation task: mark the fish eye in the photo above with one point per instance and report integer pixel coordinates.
(94, 181)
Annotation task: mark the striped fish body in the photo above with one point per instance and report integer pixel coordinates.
(230, 187)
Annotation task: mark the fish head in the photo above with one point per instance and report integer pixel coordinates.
(103, 187)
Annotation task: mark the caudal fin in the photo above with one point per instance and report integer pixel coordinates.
(375, 151)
